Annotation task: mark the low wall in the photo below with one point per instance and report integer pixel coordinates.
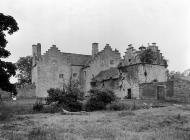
(174, 90)
(26, 91)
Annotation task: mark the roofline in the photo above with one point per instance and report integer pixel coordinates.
(139, 64)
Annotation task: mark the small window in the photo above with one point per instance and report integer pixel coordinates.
(61, 75)
(129, 93)
(145, 73)
(84, 73)
(129, 60)
(111, 62)
(74, 74)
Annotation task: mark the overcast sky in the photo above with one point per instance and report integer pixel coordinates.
(74, 24)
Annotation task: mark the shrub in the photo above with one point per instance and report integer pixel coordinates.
(38, 106)
(69, 99)
(99, 98)
(51, 108)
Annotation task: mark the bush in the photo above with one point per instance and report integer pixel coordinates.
(51, 108)
(99, 98)
(38, 106)
(68, 99)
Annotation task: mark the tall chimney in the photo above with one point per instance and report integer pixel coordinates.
(94, 49)
(36, 53)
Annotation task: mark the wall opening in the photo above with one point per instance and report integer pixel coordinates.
(129, 93)
(160, 92)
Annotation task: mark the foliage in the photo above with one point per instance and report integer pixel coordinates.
(7, 69)
(69, 99)
(147, 56)
(99, 98)
(24, 65)
(38, 106)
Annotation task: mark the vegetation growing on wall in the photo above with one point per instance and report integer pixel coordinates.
(148, 56)
(131, 72)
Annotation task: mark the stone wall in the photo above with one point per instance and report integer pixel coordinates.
(181, 90)
(175, 90)
(27, 91)
(150, 90)
(134, 75)
(53, 71)
(104, 60)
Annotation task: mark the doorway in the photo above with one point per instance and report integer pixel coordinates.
(160, 92)
(129, 93)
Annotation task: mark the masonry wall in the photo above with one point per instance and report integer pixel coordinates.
(149, 90)
(104, 60)
(141, 73)
(53, 70)
(181, 90)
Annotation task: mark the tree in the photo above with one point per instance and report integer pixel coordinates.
(24, 65)
(7, 69)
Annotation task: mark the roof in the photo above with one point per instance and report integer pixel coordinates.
(112, 73)
(78, 59)
(74, 59)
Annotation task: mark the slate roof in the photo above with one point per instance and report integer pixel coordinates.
(78, 59)
(112, 73)
(74, 59)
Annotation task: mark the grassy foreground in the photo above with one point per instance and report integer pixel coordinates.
(164, 123)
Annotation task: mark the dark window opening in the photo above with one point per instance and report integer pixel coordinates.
(129, 93)
(111, 62)
(61, 75)
(103, 84)
(129, 60)
(145, 73)
(74, 74)
(84, 73)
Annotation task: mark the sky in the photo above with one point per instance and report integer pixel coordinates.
(73, 25)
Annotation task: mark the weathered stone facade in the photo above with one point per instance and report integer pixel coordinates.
(102, 69)
(133, 71)
(175, 89)
(54, 69)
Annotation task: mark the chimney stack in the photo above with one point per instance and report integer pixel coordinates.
(36, 52)
(94, 49)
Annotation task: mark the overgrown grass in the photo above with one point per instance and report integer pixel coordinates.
(117, 106)
(10, 108)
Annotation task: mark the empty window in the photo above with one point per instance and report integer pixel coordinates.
(61, 75)
(129, 93)
(74, 74)
(145, 73)
(84, 73)
(129, 60)
(111, 62)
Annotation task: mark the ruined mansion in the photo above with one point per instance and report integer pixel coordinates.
(102, 69)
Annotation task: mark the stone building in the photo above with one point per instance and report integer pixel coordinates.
(101, 69)
(54, 69)
(138, 66)
(175, 89)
